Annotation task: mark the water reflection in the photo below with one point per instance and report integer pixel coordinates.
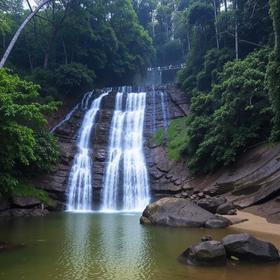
(111, 246)
(76, 248)
(125, 249)
(104, 247)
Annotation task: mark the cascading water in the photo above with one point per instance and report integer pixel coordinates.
(67, 118)
(126, 148)
(80, 179)
(164, 109)
(86, 100)
(136, 186)
(153, 124)
(112, 175)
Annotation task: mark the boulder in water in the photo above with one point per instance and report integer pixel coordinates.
(246, 247)
(217, 222)
(206, 253)
(176, 212)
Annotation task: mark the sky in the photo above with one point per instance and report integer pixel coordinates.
(30, 1)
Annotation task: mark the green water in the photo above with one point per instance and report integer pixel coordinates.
(110, 246)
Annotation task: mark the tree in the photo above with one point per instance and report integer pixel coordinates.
(234, 115)
(274, 70)
(19, 31)
(22, 124)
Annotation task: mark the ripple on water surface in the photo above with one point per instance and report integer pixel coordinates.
(76, 246)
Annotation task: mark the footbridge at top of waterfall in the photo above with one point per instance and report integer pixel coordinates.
(167, 68)
(162, 74)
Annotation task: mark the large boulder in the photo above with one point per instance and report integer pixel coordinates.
(176, 212)
(211, 203)
(246, 247)
(206, 253)
(25, 202)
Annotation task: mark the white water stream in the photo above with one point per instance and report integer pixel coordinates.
(80, 179)
(126, 171)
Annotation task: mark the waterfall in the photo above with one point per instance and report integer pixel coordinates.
(136, 187)
(115, 155)
(84, 106)
(67, 118)
(86, 99)
(164, 109)
(126, 148)
(153, 130)
(80, 179)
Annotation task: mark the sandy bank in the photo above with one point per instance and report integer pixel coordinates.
(255, 223)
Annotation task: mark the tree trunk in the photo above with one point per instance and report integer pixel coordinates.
(65, 53)
(216, 25)
(189, 41)
(236, 35)
(274, 70)
(17, 34)
(225, 4)
(275, 13)
(30, 62)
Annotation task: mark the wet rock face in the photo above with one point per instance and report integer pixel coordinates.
(26, 201)
(206, 253)
(178, 212)
(246, 247)
(166, 176)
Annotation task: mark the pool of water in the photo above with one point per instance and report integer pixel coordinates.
(111, 246)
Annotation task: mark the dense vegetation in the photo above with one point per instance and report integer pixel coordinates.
(67, 48)
(231, 80)
(25, 145)
(232, 55)
(75, 44)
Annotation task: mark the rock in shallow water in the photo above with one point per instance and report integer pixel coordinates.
(177, 212)
(239, 247)
(246, 247)
(206, 253)
(217, 222)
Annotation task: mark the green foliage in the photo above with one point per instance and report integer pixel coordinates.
(274, 70)
(73, 78)
(158, 137)
(200, 14)
(104, 36)
(21, 124)
(174, 139)
(25, 190)
(234, 115)
(177, 144)
(170, 53)
(46, 152)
